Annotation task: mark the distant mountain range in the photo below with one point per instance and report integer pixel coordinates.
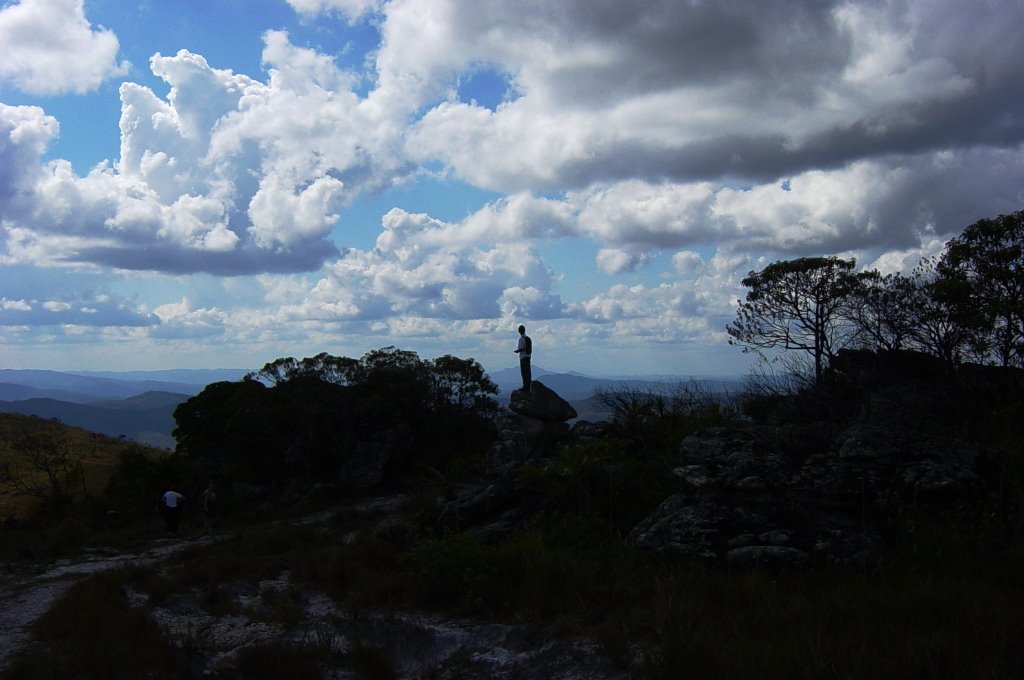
(139, 405)
(572, 386)
(579, 389)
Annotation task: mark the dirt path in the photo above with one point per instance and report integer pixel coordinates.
(25, 596)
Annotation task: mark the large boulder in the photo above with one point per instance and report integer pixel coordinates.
(536, 425)
(541, 403)
(517, 436)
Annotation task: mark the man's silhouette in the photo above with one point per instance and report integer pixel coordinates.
(525, 351)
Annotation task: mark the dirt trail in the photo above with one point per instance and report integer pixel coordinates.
(25, 596)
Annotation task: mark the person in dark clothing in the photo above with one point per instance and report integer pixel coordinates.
(525, 352)
(209, 507)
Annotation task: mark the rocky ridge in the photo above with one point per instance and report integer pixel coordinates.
(831, 477)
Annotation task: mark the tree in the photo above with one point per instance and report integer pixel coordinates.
(338, 370)
(317, 417)
(51, 470)
(462, 383)
(798, 305)
(988, 260)
(885, 310)
(232, 424)
(944, 324)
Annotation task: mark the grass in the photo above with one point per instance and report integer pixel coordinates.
(952, 613)
(97, 453)
(370, 663)
(93, 633)
(959, 619)
(839, 625)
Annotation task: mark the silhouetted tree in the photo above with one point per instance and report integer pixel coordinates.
(339, 370)
(51, 472)
(232, 426)
(943, 325)
(801, 305)
(462, 383)
(885, 310)
(305, 418)
(986, 263)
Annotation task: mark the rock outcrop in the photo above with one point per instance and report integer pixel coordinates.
(830, 480)
(535, 428)
(536, 424)
(541, 403)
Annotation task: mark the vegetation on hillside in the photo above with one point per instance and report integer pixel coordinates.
(62, 487)
(944, 604)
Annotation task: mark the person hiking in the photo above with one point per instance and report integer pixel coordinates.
(170, 504)
(525, 352)
(209, 507)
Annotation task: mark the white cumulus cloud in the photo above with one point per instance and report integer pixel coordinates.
(49, 47)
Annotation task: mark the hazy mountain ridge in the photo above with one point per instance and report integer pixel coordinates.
(97, 387)
(140, 406)
(134, 405)
(188, 376)
(146, 418)
(574, 386)
(15, 392)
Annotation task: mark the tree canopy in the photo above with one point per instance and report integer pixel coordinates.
(967, 304)
(797, 305)
(987, 260)
(307, 417)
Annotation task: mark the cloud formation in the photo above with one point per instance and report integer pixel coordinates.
(50, 48)
(701, 138)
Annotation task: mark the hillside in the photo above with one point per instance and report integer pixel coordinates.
(146, 418)
(136, 404)
(585, 551)
(16, 392)
(98, 453)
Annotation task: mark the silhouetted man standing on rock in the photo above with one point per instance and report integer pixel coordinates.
(525, 351)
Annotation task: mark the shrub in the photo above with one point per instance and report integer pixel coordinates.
(658, 416)
(453, 570)
(609, 480)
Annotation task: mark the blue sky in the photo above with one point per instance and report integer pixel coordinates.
(221, 183)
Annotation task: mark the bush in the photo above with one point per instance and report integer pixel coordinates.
(658, 416)
(452, 571)
(607, 480)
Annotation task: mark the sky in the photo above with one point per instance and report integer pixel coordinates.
(220, 183)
